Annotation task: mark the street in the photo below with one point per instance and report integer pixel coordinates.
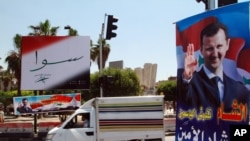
(21, 128)
(170, 136)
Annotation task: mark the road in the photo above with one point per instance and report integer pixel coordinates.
(21, 128)
(169, 135)
(170, 138)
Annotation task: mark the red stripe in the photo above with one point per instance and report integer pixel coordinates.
(33, 43)
(16, 125)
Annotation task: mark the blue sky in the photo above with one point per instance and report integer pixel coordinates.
(145, 34)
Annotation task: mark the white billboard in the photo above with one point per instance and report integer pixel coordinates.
(55, 62)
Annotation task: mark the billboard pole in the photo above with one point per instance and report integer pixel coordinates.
(35, 115)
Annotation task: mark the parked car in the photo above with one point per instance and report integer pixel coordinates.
(170, 122)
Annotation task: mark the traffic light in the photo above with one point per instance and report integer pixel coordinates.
(226, 2)
(111, 27)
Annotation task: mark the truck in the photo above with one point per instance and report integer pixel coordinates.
(132, 118)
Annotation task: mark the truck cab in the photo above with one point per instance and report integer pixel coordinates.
(73, 128)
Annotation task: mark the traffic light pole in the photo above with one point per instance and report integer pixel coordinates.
(211, 4)
(100, 71)
(101, 88)
(109, 34)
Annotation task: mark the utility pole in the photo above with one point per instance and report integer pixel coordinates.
(209, 4)
(111, 27)
(100, 51)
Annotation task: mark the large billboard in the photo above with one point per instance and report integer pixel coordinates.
(213, 50)
(46, 103)
(55, 62)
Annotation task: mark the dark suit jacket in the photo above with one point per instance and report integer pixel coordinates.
(201, 91)
(24, 110)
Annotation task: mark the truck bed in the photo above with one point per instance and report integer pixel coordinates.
(136, 117)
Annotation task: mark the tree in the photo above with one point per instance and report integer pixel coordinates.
(43, 29)
(95, 53)
(14, 61)
(14, 57)
(7, 80)
(169, 89)
(72, 32)
(119, 82)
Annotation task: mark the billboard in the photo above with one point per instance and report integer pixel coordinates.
(55, 62)
(213, 45)
(46, 103)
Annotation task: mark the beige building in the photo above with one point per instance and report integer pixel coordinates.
(147, 77)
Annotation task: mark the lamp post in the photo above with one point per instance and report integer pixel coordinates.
(67, 27)
(37, 30)
(72, 32)
(209, 4)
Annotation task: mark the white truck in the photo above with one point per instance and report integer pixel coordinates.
(114, 119)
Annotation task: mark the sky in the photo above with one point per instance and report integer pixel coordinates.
(145, 33)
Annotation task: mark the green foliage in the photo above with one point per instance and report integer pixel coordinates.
(124, 82)
(13, 93)
(169, 89)
(6, 97)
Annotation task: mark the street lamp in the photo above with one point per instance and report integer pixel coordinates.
(67, 27)
(36, 28)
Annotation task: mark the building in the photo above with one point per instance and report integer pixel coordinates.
(147, 77)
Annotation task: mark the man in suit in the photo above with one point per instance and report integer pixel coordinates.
(199, 91)
(24, 108)
(199, 87)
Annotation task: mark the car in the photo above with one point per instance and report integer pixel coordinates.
(170, 122)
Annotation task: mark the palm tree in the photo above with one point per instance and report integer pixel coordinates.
(14, 58)
(7, 79)
(14, 61)
(72, 32)
(95, 53)
(43, 29)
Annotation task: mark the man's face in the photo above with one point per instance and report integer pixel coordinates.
(214, 50)
(25, 102)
